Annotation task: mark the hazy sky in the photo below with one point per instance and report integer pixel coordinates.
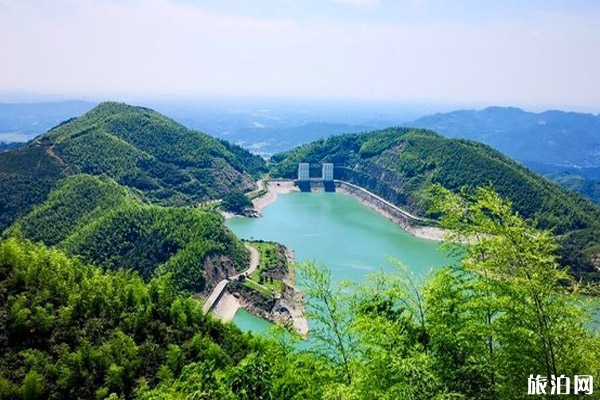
(538, 52)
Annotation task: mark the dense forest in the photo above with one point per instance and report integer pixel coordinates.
(541, 141)
(103, 246)
(102, 187)
(400, 164)
(105, 224)
(166, 163)
(475, 330)
(72, 331)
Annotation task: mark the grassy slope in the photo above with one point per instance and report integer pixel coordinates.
(398, 164)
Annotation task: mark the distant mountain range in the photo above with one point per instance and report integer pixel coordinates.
(564, 146)
(268, 141)
(19, 122)
(262, 124)
(557, 138)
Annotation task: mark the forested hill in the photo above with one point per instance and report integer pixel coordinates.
(163, 161)
(563, 146)
(104, 224)
(399, 164)
(546, 138)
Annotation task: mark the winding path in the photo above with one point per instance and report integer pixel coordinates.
(219, 289)
(254, 261)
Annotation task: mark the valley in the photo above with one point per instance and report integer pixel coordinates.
(126, 207)
(334, 229)
(299, 200)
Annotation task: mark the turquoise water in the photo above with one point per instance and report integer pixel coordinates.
(250, 322)
(339, 232)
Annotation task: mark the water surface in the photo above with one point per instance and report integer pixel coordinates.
(339, 232)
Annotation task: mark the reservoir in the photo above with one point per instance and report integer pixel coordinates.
(337, 231)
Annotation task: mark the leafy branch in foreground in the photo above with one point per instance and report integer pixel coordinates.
(332, 322)
(475, 330)
(517, 278)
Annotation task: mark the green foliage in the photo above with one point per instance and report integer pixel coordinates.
(400, 164)
(332, 321)
(143, 149)
(71, 331)
(273, 267)
(513, 279)
(476, 330)
(76, 201)
(103, 223)
(152, 239)
(137, 147)
(21, 185)
(235, 202)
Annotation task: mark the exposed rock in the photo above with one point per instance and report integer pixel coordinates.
(252, 300)
(217, 268)
(286, 309)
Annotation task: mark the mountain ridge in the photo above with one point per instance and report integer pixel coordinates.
(528, 137)
(162, 160)
(399, 164)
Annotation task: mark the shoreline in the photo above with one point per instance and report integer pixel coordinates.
(287, 309)
(423, 232)
(275, 188)
(297, 301)
(228, 305)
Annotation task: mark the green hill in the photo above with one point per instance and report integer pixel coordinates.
(77, 201)
(163, 161)
(101, 187)
(100, 221)
(399, 164)
(71, 331)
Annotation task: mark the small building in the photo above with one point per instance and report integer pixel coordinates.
(303, 171)
(327, 173)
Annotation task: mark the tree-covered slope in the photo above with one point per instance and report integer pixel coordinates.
(71, 331)
(559, 145)
(137, 147)
(550, 137)
(76, 201)
(103, 223)
(27, 175)
(474, 331)
(399, 164)
(156, 240)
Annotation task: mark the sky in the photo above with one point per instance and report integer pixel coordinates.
(525, 52)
